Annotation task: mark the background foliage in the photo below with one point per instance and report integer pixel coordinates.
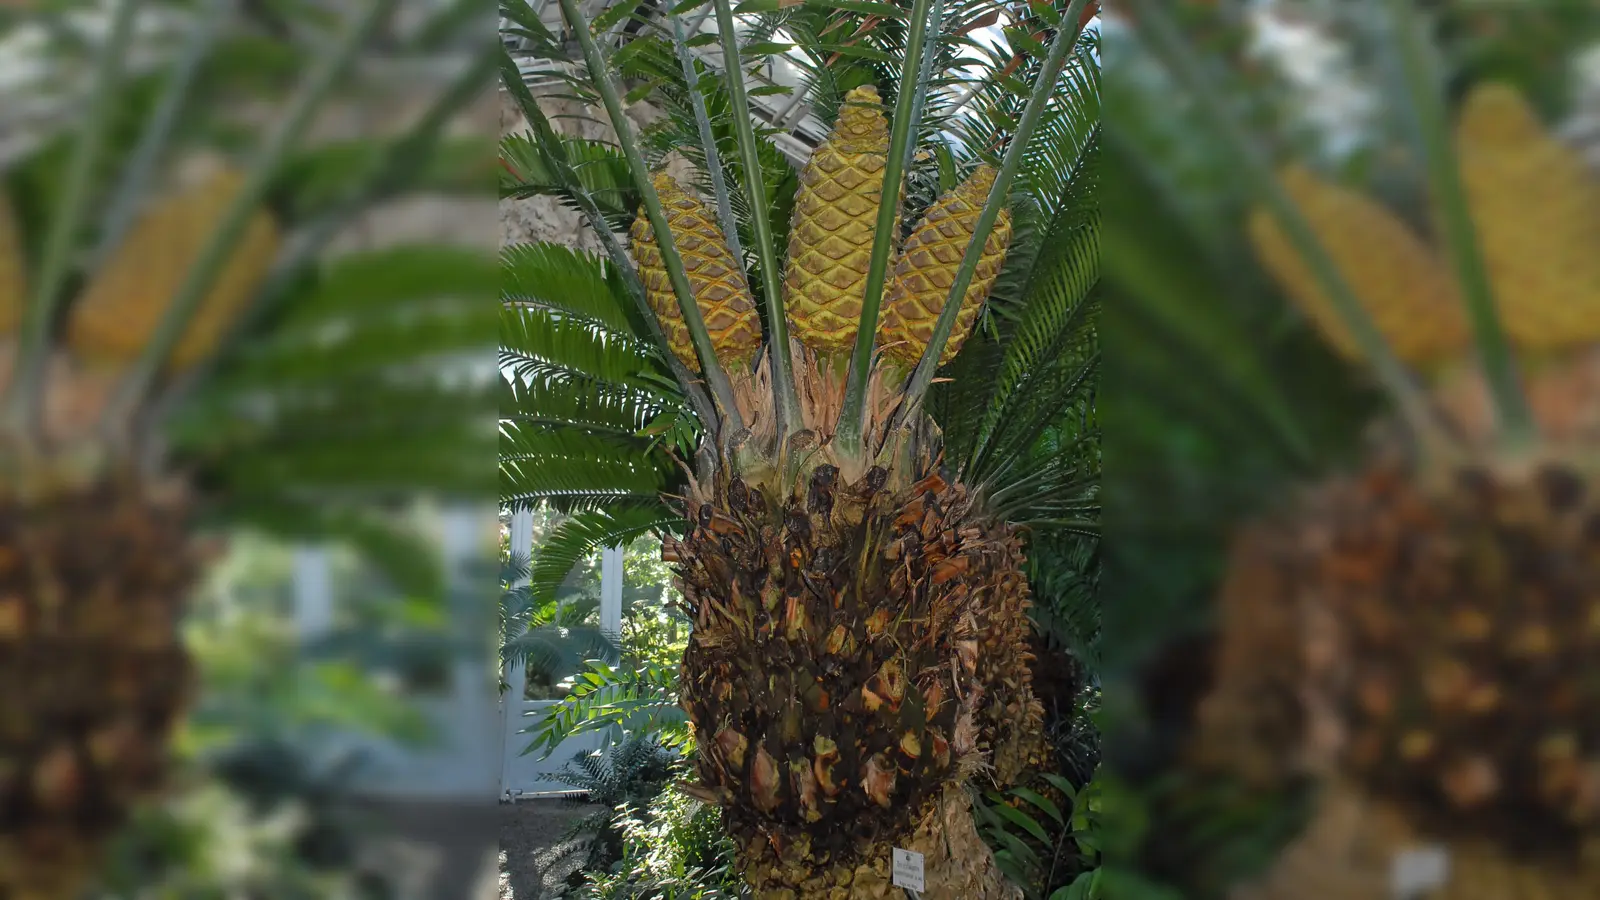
(1219, 397)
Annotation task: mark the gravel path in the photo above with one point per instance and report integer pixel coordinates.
(530, 847)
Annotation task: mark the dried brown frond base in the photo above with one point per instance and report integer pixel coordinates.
(75, 395)
(820, 383)
(957, 864)
(858, 648)
(92, 674)
(1563, 395)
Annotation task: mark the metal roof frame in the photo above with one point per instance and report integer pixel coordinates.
(798, 130)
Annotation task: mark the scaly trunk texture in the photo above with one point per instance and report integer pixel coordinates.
(957, 864)
(1420, 636)
(93, 673)
(859, 651)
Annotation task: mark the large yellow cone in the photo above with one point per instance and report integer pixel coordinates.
(926, 269)
(1536, 208)
(715, 279)
(116, 316)
(1398, 279)
(835, 219)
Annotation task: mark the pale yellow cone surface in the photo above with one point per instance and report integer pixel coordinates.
(835, 218)
(1398, 279)
(715, 279)
(126, 299)
(926, 268)
(1536, 209)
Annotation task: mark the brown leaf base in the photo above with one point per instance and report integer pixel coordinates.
(958, 865)
(93, 674)
(858, 646)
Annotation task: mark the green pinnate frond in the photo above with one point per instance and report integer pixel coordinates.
(600, 168)
(607, 698)
(379, 280)
(535, 340)
(569, 483)
(584, 405)
(527, 441)
(570, 281)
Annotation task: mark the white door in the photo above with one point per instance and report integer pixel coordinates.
(522, 774)
(459, 763)
(525, 775)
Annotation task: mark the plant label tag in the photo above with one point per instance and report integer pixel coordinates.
(1418, 871)
(908, 870)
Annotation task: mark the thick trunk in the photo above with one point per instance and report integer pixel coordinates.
(958, 865)
(859, 652)
(90, 593)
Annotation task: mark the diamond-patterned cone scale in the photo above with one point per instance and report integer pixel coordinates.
(926, 268)
(122, 307)
(715, 279)
(857, 648)
(1535, 208)
(835, 219)
(91, 586)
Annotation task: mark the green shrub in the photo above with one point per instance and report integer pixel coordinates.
(674, 848)
(620, 779)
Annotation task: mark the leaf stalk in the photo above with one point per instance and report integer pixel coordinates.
(1455, 220)
(852, 414)
(786, 403)
(917, 386)
(600, 75)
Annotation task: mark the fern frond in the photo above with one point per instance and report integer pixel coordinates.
(605, 698)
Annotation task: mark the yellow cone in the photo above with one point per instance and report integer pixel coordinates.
(1397, 278)
(927, 267)
(119, 311)
(835, 219)
(1536, 208)
(714, 278)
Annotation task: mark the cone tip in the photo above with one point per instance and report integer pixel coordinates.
(1495, 109)
(663, 182)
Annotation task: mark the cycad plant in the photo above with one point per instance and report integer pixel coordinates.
(750, 370)
(1404, 647)
(179, 355)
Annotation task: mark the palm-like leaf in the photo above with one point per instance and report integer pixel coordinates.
(527, 171)
(615, 700)
(1019, 420)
